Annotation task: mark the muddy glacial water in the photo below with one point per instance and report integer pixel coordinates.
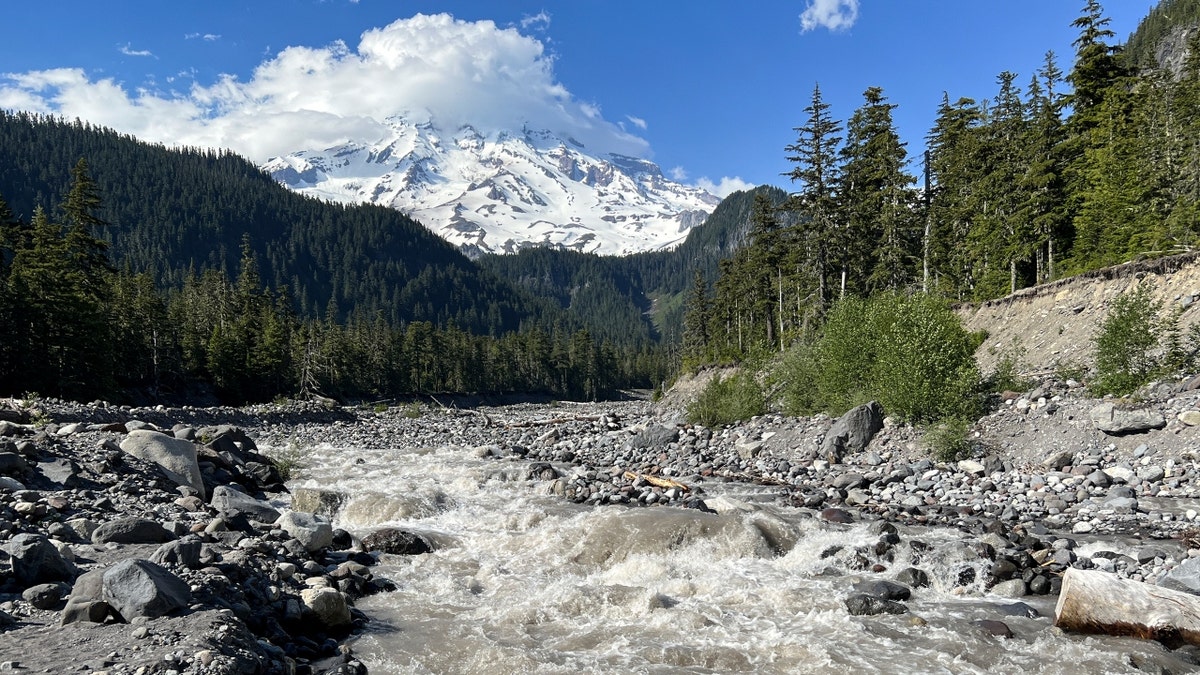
(523, 581)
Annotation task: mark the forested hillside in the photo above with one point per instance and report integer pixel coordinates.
(172, 214)
(639, 296)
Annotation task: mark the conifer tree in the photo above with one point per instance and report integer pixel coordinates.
(880, 249)
(955, 166)
(695, 321)
(1043, 185)
(816, 167)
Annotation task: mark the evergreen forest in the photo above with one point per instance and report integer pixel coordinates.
(1061, 171)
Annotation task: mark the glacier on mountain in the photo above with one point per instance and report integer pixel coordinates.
(498, 192)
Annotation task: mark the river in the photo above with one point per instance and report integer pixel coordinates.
(523, 581)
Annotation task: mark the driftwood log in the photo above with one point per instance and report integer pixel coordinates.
(665, 483)
(1100, 602)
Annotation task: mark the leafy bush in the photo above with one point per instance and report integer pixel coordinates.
(725, 401)
(947, 440)
(909, 352)
(1138, 343)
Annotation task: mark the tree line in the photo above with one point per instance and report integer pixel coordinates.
(1070, 173)
(74, 325)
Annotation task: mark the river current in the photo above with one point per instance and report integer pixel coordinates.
(523, 581)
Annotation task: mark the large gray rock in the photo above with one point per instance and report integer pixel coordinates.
(318, 500)
(327, 604)
(86, 602)
(229, 500)
(175, 457)
(34, 560)
(862, 604)
(131, 530)
(396, 541)
(1111, 419)
(852, 432)
(185, 552)
(311, 530)
(1183, 577)
(138, 587)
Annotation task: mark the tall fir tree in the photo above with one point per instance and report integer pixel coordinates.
(815, 155)
(878, 202)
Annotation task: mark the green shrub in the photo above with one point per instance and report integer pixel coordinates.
(910, 353)
(725, 401)
(1137, 343)
(796, 376)
(947, 440)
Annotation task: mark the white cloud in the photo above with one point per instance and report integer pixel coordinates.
(678, 174)
(835, 15)
(127, 50)
(458, 72)
(724, 187)
(539, 21)
(636, 121)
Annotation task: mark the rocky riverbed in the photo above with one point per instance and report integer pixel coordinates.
(228, 578)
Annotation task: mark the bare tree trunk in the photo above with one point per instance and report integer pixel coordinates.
(1100, 602)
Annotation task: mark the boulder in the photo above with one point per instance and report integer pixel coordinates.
(1114, 420)
(312, 531)
(175, 457)
(184, 552)
(396, 541)
(1183, 577)
(35, 560)
(861, 604)
(881, 588)
(131, 530)
(319, 501)
(231, 501)
(44, 596)
(913, 577)
(852, 432)
(11, 463)
(137, 587)
(327, 604)
(86, 600)
(654, 437)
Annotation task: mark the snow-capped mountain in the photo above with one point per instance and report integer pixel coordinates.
(502, 191)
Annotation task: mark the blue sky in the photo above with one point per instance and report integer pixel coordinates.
(709, 90)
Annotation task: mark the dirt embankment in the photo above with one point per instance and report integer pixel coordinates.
(1053, 325)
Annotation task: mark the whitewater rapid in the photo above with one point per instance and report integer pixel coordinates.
(523, 581)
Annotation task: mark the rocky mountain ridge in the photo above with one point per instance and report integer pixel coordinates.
(497, 192)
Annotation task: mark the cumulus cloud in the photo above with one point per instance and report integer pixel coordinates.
(834, 15)
(724, 187)
(678, 174)
(636, 121)
(207, 37)
(455, 72)
(128, 50)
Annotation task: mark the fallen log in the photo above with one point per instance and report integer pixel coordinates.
(1103, 603)
(665, 483)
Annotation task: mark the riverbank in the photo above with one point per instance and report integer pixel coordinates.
(1047, 490)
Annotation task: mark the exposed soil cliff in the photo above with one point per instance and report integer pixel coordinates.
(1053, 325)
